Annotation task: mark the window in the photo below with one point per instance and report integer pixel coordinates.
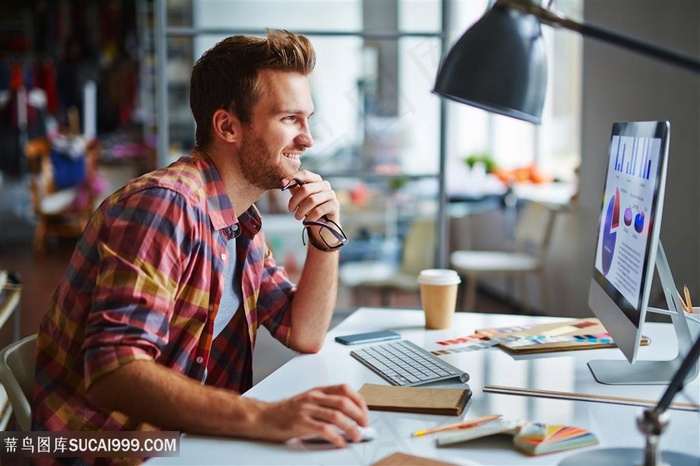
(377, 125)
(555, 144)
(375, 110)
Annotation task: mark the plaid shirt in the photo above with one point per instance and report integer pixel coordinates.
(145, 282)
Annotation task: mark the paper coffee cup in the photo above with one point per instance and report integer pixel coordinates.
(438, 292)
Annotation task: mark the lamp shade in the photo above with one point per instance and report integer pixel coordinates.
(498, 65)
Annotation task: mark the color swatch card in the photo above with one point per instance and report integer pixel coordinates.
(530, 438)
(573, 335)
(538, 439)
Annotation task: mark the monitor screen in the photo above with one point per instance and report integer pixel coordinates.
(628, 229)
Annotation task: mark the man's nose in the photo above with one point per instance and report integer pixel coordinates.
(304, 137)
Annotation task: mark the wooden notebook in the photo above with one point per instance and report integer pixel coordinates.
(444, 401)
(405, 459)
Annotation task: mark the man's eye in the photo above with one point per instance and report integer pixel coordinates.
(290, 118)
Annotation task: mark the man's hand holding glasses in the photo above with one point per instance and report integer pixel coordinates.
(314, 202)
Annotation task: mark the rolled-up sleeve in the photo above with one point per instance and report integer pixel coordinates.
(143, 246)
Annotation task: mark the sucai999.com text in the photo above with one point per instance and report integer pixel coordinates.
(89, 444)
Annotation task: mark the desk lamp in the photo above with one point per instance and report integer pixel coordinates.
(499, 65)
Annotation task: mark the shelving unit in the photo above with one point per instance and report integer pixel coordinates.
(164, 33)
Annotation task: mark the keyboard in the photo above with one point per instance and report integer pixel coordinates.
(406, 364)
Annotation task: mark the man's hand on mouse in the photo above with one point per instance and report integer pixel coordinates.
(322, 412)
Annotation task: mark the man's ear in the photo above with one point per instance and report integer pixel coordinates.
(226, 125)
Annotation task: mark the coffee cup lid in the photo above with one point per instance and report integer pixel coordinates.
(438, 277)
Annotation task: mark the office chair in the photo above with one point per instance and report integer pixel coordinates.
(417, 254)
(59, 211)
(532, 238)
(17, 362)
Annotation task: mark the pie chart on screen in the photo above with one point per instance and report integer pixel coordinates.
(612, 222)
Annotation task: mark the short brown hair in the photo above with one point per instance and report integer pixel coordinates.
(226, 76)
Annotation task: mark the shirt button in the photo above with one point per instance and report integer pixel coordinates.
(200, 360)
(211, 307)
(223, 257)
(235, 227)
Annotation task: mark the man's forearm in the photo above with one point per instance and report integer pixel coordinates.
(314, 301)
(154, 394)
(151, 393)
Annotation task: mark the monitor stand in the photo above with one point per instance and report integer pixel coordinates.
(621, 372)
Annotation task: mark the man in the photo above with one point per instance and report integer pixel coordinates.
(155, 322)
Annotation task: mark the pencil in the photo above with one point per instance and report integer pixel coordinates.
(684, 304)
(458, 425)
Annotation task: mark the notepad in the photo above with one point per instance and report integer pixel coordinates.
(499, 426)
(423, 400)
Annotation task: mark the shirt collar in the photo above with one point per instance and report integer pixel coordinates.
(219, 204)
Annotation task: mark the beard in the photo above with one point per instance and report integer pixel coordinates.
(260, 166)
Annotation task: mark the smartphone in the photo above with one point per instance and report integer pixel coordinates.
(370, 337)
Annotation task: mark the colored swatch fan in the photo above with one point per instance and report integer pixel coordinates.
(538, 438)
(531, 438)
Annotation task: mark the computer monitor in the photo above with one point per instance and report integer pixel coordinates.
(628, 251)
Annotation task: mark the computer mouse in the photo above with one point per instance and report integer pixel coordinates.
(367, 434)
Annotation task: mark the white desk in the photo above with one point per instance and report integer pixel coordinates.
(613, 424)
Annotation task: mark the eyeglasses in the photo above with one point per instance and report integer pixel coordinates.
(332, 235)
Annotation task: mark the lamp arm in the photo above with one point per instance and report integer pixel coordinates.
(551, 18)
(678, 380)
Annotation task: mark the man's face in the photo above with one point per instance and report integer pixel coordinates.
(278, 134)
